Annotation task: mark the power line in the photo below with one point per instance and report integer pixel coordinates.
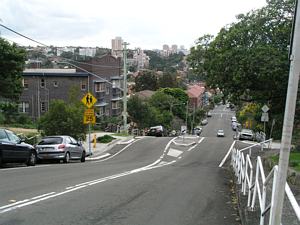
(24, 36)
(89, 64)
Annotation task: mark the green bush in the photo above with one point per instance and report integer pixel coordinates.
(105, 139)
(2, 118)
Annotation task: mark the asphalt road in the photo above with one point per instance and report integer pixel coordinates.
(142, 185)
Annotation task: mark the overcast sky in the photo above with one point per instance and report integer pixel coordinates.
(146, 24)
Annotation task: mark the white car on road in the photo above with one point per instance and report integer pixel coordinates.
(220, 133)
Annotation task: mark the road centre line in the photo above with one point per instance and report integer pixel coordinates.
(31, 201)
(38, 200)
(26, 200)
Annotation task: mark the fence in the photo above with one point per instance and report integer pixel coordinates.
(257, 188)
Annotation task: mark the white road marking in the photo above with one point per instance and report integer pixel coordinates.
(201, 139)
(123, 149)
(26, 202)
(191, 148)
(227, 154)
(174, 152)
(100, 157)
(163, 163)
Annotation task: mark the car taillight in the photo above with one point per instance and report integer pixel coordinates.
(61, 146)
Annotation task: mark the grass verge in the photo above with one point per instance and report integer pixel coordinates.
(294, 161)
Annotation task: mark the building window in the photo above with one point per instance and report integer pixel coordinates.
(102, 111)
(115, 105)
(25, 83)
(107, 90)
(44, 107)
(43, 83)
(100, 87)
(115, 83)
(83, 85)
(55, 83)
(24, 107)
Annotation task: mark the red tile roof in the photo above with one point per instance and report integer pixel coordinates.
(194, 91)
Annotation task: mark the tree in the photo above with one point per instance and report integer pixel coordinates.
(146, 80)
(63, 119)
(197, 58)
(162, 101)
(167, 64)
(248, 59)
(141, 112)
(168, 80)
(180, 100)
(67, 55)
(12, 61)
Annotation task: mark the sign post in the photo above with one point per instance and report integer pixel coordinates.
(265, 116)
(89, 115)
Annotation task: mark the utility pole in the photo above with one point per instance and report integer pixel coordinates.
(89, 128)
(192, 124)
(186, 116)
(288, 122)
(125, 87)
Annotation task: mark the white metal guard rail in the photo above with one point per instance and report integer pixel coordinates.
(243, 170)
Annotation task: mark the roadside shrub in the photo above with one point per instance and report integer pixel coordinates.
(105, 139)
(23, 119)
(293, 163)
(2, 118)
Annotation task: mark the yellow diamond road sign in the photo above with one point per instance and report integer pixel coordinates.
(89, 100)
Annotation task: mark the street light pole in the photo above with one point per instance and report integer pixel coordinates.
(125, 87)
(288, 122)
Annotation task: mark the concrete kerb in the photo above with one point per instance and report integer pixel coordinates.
(101, 150)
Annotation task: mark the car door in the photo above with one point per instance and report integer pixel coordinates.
(76, 148)
(19, 151)
(6, 146)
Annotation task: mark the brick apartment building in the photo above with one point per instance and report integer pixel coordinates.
(43, 85)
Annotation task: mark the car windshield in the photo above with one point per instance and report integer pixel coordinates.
(51, 141)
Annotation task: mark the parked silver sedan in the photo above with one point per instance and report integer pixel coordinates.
(60, 148)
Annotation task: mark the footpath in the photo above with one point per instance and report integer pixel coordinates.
(252, 216)
(102, 150)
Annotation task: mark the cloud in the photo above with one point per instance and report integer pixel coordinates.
(146, 24)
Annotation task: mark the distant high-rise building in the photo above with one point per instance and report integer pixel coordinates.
(140, 59)
(174, 48)
(87, 51)
(166, 47)
(116, 46)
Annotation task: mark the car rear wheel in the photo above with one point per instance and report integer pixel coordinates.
(32, 159)
(67, 158)
(82, 157)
